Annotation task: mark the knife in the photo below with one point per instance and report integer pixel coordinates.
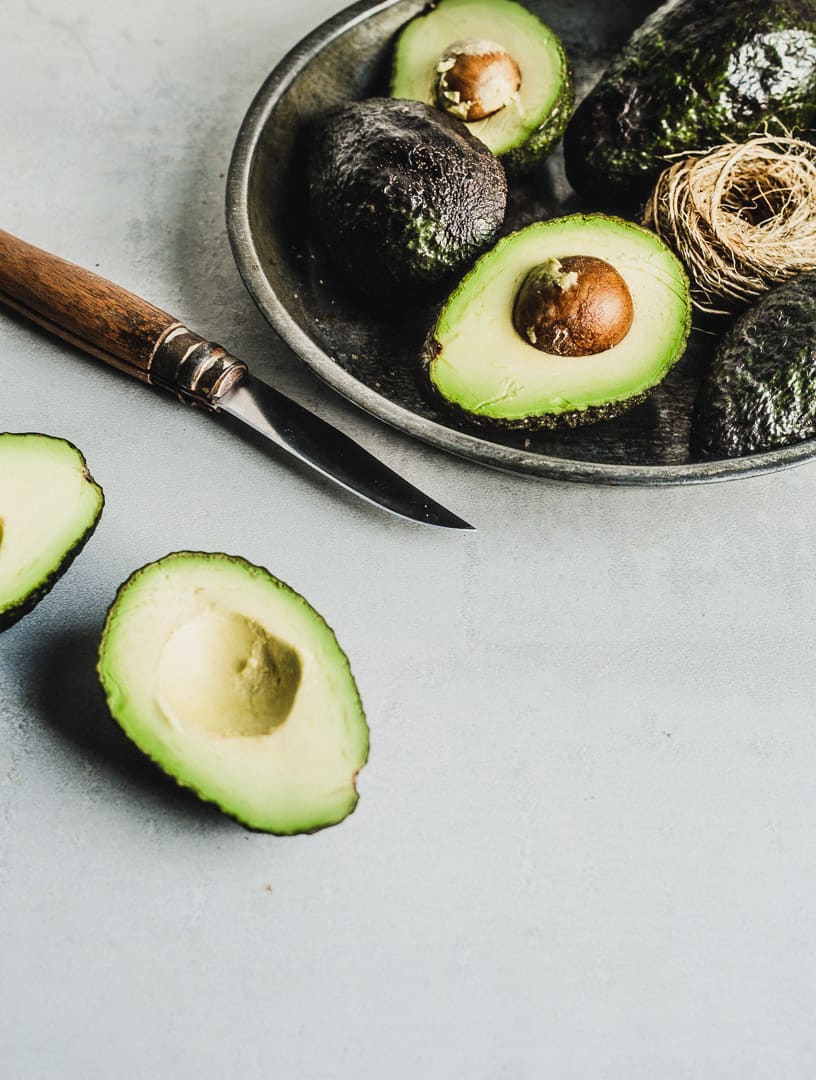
(130, 334)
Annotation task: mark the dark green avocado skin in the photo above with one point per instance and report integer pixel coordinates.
(546, 137)
(12, 615)
(695, 74)
(469, 421)
(760, 392)
(402, 196)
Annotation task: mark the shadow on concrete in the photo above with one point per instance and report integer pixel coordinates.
(66, 694)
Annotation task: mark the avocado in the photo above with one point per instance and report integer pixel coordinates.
(236, 688)
(695, 74)
(403, 197)
(760, 391)
(49, 508)
(565, 322)
(493, 64)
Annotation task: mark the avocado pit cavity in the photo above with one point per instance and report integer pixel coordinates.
(576, 306)
(475, 79)
(224, 674)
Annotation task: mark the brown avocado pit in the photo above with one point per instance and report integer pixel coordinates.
(576, 306)
(475, 79)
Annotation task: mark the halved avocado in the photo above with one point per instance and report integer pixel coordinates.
(531, 116)
(49, 507)
(481, 361)
(237, 688)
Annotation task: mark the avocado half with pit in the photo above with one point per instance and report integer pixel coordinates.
(494, 65)
(49, 508)
(237, 688)
(566, 322)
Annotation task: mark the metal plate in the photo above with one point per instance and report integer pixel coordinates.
(372, 360)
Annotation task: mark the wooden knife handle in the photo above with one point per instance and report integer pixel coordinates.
(114, 325)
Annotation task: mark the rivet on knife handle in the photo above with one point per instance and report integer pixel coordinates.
(127, 332)
(112, 324)
(198, 371)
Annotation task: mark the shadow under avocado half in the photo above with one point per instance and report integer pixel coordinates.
(67, 695)
(658, 427)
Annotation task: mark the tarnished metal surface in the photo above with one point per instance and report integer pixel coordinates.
(197, 370)
(372, 360)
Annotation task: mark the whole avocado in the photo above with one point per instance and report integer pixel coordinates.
(402, 196)
(760, 392)
(696, 73)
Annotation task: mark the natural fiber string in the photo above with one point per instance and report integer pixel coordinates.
(741, 217)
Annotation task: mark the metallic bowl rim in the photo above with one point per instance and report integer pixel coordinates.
(471, 447)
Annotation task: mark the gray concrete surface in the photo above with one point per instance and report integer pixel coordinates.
(584, 846)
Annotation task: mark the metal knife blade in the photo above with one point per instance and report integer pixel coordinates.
(333, 454)
(136, 337)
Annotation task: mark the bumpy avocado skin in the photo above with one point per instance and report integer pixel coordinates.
(696, 73)
(12, 615)
(760, 392)
(403, 197)
(546, 137)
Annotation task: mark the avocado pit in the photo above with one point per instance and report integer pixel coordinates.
(475, 79)
(575, 306)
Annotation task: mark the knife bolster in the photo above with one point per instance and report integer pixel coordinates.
(199, 371)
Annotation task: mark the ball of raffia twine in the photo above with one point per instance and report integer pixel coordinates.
(741, 217)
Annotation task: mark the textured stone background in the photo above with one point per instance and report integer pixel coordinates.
(584, 846)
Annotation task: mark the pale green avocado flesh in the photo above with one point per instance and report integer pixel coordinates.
(528, 127)
(49, 507)
(479, 364)
(236, 688)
